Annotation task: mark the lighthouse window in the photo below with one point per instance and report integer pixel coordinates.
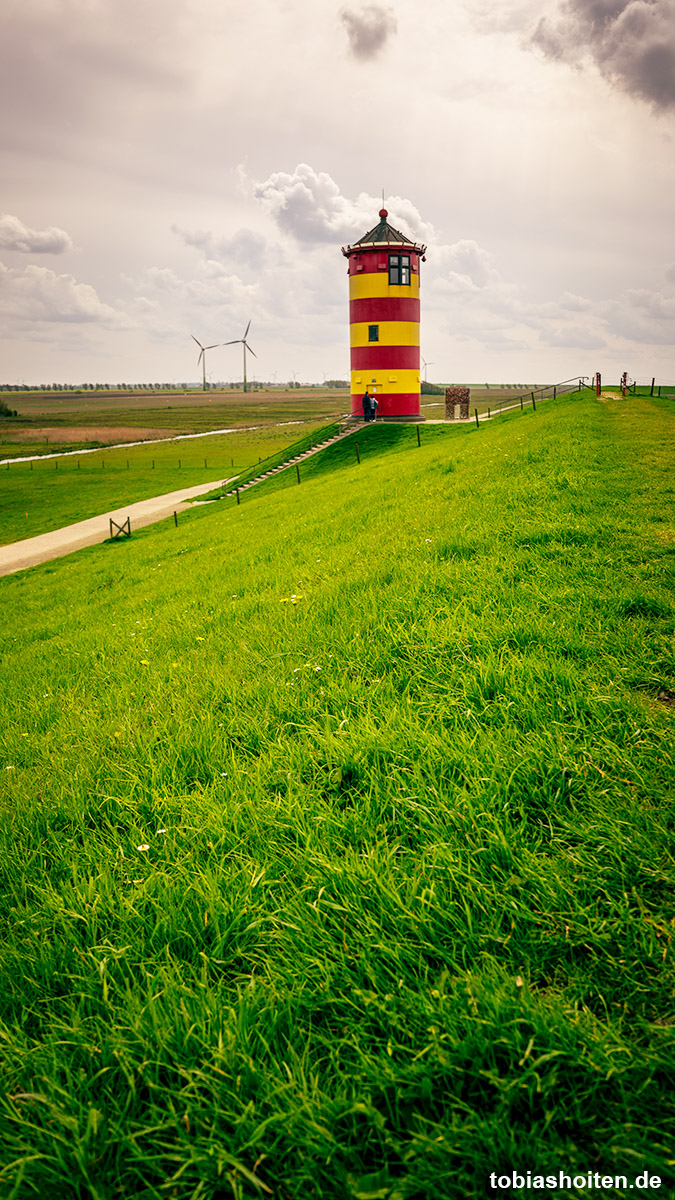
(399, 268)
(373, 333)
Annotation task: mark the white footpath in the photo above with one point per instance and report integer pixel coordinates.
(20, 555)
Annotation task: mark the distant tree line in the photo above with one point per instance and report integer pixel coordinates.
(92, 387)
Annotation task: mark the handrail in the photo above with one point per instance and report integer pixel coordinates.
(251, 472)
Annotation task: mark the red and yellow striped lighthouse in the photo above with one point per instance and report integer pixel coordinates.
(384, 320)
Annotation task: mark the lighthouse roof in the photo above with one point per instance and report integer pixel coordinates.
(383, 234)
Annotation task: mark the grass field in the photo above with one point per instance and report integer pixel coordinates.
(52, 492)
(49, 422)
(337, 851)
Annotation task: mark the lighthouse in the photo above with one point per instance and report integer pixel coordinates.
(384, 321)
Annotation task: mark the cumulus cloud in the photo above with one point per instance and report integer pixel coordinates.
(37, 294)
(368, 29)
(14, 235)
(246, 248)
(632, 42)
(213, 300)
(574, 303)
(310, 206)
(465, 266)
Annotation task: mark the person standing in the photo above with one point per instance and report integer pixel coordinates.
(365, 404)
(373, 407)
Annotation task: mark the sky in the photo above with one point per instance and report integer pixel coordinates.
(177, 168)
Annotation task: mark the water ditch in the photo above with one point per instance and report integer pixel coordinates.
(179, 437)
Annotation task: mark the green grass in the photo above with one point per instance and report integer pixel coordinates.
(59, 491)
(399, 744)
(200, 413)
(307, 441)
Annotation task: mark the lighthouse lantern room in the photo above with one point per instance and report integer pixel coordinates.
(384, 321)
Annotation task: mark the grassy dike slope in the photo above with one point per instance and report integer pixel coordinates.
(56, 492)
(337, 831)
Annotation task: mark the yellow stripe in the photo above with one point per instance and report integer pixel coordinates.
(390, 382)
(392, 333)
(376, 283)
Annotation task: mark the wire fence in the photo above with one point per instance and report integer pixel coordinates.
(502, 399)
(280, 457)
(652, 387)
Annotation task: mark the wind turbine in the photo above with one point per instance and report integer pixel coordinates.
(426, 364)
(246, 346)
(202, 357)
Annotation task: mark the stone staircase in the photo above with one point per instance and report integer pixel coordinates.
(347, 427)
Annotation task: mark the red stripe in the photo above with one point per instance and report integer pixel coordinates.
(385, 358)
(378, 261)
(407, 404)
(384, 308)
(377, 309)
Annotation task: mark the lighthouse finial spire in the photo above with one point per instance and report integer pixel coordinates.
(383, 212)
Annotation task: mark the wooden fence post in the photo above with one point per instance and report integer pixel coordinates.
(358, 456)
(476, 416)
(124, 528)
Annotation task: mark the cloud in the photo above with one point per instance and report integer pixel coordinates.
(368, 29)
(632, 42)
(465, 266)
(574, 337)
(309, 205)
(641, 316)
(574, 303)
(39, 295)
(14, 235)
(246, 248)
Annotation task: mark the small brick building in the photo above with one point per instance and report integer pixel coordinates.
(457, 400)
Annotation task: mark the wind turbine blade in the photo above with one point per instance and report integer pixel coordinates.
(213, 346)
(201, 355)
(195, 340)
(249, 350)
(234, 343)
(246, 333)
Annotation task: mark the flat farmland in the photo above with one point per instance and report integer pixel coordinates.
(49, 421)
